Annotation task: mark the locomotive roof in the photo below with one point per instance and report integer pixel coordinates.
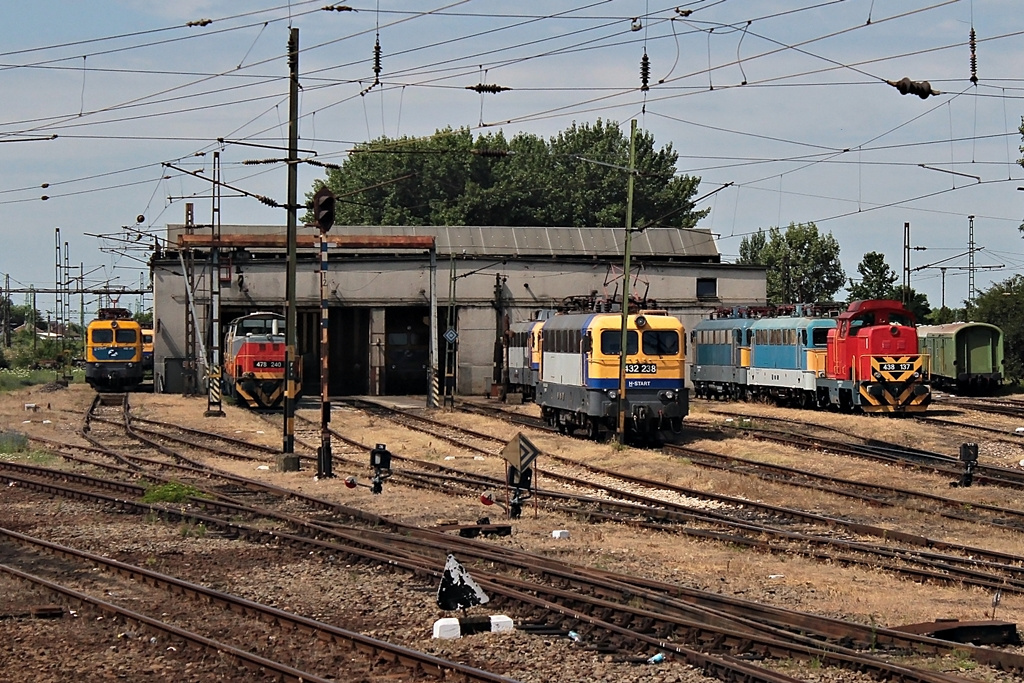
(725, 323)
(575, 321)
(793, 323)
(665, 244)
(865, 305)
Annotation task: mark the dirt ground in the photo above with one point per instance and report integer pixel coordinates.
(862, 595)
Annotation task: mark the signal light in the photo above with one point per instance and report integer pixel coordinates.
(350, 482)
(323, 208)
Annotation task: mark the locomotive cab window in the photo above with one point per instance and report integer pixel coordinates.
(900, 319)
(125, 336)
(819, 335)
(661, 343)
(611, 342)
(864, 321)
(102, 336)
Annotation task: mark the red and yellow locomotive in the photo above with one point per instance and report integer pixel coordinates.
(254, 359)
(873, 361)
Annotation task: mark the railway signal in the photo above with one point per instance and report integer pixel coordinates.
(519, 453)
(380, 461)
(323, 208)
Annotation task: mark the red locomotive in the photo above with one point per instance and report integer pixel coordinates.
(254, 359)
(873, 360)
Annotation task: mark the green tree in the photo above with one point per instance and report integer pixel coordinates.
(803, 265)
(944, 315)
(877, 279)
(1003, 305)
(916, 302)
(576, 178)
(144, 318)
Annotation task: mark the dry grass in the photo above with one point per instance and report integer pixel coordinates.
(864, 595)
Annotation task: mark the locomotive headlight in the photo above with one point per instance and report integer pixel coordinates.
(670, 394)
(612, 394)
(917, 375)
(876, 374)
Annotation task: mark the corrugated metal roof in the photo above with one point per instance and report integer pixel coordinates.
(695, 244)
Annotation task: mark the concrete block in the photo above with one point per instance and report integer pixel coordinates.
(560, 533)
(500, 622)
(447, 628)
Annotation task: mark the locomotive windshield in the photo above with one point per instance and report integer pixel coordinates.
(261, 326)
(661, 343)
(125, 336)
(900, 319)
(611, 342)
(102, 336)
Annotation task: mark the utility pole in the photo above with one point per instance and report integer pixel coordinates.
(59, 293)
(499, 379)
(970, 263)
(289, 462)
(432, 346)
(81, 304)
(906, 263)
(213, 388)
(7, 310)
(189, 366)
(943, 271)
(451, 336)
(35, 331)
(623, 345)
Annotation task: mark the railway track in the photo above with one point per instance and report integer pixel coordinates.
(418, 554)
(627, 499)
(871, 449)
(631, 611)
(226, 614)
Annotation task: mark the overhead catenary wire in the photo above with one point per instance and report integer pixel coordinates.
(407, 85)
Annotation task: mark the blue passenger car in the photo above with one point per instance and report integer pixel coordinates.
(720, 357)
(787, 356)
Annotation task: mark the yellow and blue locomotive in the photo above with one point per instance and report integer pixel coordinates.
(578, 386)
(524, 357)
(113, 351)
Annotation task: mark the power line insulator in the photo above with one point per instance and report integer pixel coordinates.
(908, 87)
(268, 201)
(337, 8)
(645, 73)
(974, 58)
(199, 22)
(487, 87)
(376, 58)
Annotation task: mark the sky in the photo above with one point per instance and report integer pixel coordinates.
(781, 107)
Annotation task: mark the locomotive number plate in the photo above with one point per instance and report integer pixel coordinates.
(642, 368)
(268, 364)
(895, 367)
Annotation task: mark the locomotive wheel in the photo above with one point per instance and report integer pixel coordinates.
(593, 429)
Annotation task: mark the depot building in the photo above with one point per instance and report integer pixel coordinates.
(408, 306)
